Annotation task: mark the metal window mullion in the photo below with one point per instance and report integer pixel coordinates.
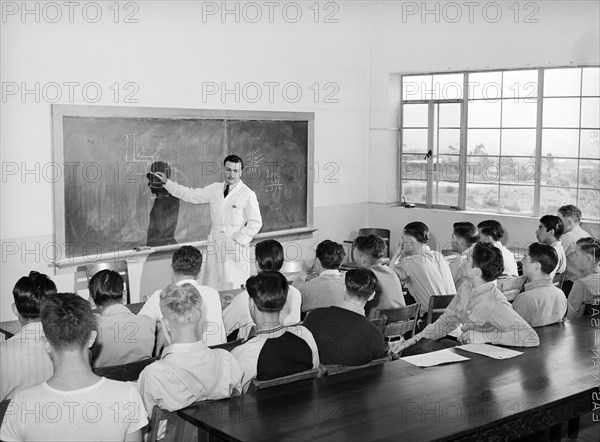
(537, 179)
(462, 177)
(429, 187)
(400, 137)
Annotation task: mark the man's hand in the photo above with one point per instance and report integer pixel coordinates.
(161, 176)
(397, 346)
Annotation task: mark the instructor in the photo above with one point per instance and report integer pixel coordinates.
(235, 218)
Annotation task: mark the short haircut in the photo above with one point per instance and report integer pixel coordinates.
(181, 304)
(570, 211)
(330, 254)
(106, 287)
(371, 245)
(553, 222)
(268, 290)
(466, 231)
(418, 231)
(30, 292)
(360, 283)
(269, 254)
(491, 228)
(233, 159)
(545, 255)
(590, 246)
(488, 258)
(68, 321)
(187, 261)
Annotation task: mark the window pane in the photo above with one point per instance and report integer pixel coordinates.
(590, 144)
(448, 86)
(591, 81)
(449, 141)
(483, 142)
(589, 174)
(415, 115)
(448, 167)
(482, 197)
(518, 142)
(486, 85)
(560, 142)
(414, 140)
(551, 198)
(449, 115)
(484, 114)
(589, 203)
(446, 194)
(521, 113)
(561, 112)
(516, 199)
(515, 170)
(414, 191)
(562, 82)
(590, 112)
(519, 84)
(559, 172)
(414, 167)
(483, 169)
(415, 87)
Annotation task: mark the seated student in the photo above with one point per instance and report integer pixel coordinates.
(343, 335)
(491, 231)
(269, 256)
(24, 362)
(327, 284)
(188, 371)
(464, 237)
(185, 268)
(542, 303)
(570, 216)
(369, 251)
(123, 337)
(277, 350)
(480, 309)
(75, 404)
(424, 272)
(586, 290)
(548, 232)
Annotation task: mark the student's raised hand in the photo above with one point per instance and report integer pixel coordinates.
(397, 253)
(161, 176)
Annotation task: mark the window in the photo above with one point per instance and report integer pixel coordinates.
(512, 141)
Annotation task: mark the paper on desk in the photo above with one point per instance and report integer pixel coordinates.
(491, 351)
(434, 358)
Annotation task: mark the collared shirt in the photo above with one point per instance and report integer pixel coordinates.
(187, 373)
(24, 362)
(510, 263)
(323, 291)
(455, 262)
(569, 242)
(347, 305)
(122, 337)
(584, 289)
(562, 258)
(483, 309)
(388, 293)
(542, 303)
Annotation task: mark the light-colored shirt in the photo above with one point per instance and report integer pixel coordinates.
(122, 337)
(213, 328)
(583, 291)
(542, 303)
(388, 293)
(455, 262)
(562, 258)
(107, 410)
(486, 311)
(187, 373)
(569, 243)
(24, 362)
(510, 263)
(323, 291)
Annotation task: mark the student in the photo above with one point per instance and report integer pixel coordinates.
(123, 337)
(327, 287)
(480, 309)
(343, 334)
(185, 268)
(423, 271)
(277, 350)
(491, 231)
(586, 290)
(24, 362)
(464, 237)
(269, 256)
(542, 303)
(570, 216)
(74, 404)
(548, 232)
(188, 371)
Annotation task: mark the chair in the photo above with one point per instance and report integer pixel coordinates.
(334, 369)
(399, 321)
(124, 372)
(437, 307)
(117, 266)
(313, 373)
(167, 426)
(379, 323)
(558, 279)
(511, 286)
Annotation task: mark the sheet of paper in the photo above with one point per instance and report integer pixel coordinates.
(434, 358)
(491, 351)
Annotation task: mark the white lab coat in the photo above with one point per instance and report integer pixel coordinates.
(235, 221)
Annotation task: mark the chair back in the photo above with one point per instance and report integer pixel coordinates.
(124, 372)
(437, 307)
(313, 373)
(167, 426)
(399, 321)
(334, 369)
(379, 322)
(118, 266)
(558, 279)
(511, 286)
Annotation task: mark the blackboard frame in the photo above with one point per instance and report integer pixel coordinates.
(59, 111)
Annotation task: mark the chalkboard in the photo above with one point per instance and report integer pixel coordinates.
(106, 201)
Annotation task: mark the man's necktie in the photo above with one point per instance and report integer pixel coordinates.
(226, 191)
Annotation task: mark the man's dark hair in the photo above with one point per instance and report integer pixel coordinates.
(545, 255)
(417, 230)
(360, 283)
(106, 287)
(68, 321)
(371, 245)
(466, 231)
(488, 258)
(269, 255)
(30, 292)
(187, 261)
(233, 159)
(591, 246)
(491, 228)
(570, 210)
(330, 254)
(268, 290)
(553, 222)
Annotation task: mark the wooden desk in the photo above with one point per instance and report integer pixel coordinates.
(478, 399)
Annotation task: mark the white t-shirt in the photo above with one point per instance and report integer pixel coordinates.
(107, 411)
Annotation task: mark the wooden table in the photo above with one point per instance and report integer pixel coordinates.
(479, 399)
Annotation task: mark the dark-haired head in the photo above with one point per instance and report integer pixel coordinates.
(68, 322)
(330, 254)
(465, 232)
(187, 261)
(491, 228)
(269, 255)
(268, 290)
(106, 288)
(488, 258)
(233, 159)
(372, 247)
(554, 223)
(360, 283)
(590, 247)
(543, 254)
(30, 292)
(418, 231)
